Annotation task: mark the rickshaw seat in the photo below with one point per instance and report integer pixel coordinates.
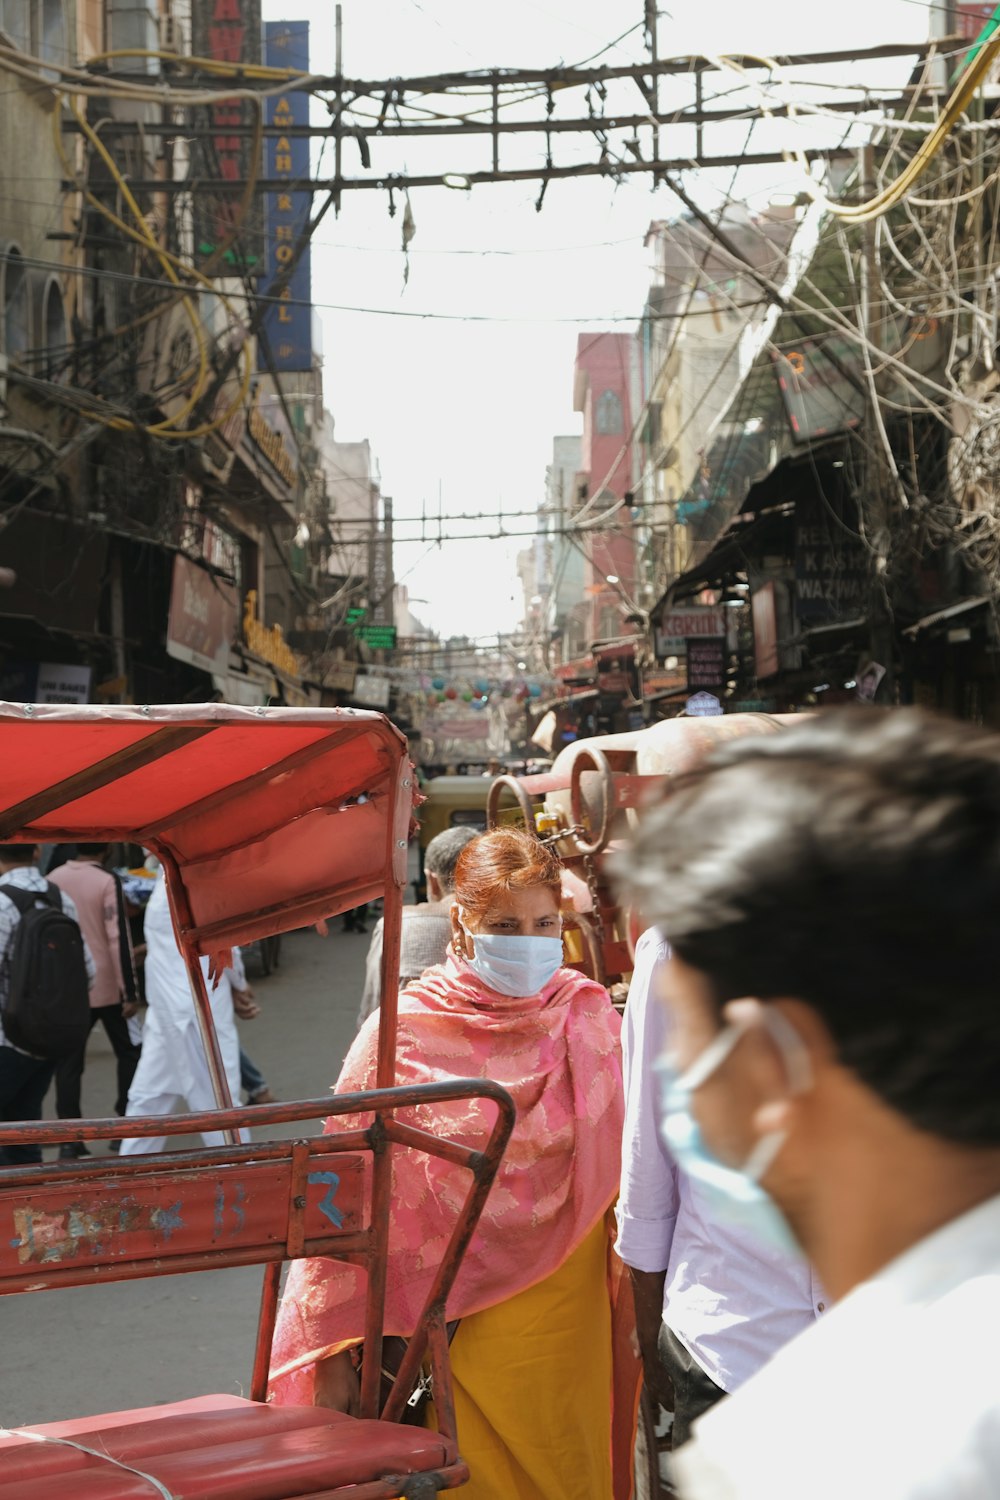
(214, 1448)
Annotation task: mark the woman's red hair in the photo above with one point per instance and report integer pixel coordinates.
(501, 861)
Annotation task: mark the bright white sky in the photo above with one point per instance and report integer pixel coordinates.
(470, 407)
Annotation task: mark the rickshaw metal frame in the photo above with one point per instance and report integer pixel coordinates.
(45, 813)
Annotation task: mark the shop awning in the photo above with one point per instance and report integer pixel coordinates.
(728, 556)
(942, 618)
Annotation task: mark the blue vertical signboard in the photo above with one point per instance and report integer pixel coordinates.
(287, 324)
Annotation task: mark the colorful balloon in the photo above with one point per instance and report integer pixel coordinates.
(438, 684)
(451, 692)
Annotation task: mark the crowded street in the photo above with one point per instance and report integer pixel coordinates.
(500, 745)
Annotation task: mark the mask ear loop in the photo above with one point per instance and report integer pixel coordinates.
(800, 1078)
(712, 1058)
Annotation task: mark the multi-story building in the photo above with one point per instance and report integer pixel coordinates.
(604, 392)
(166, 526)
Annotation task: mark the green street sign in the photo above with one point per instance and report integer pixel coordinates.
(378, 637)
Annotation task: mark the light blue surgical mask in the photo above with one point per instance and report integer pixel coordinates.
(734, 1193)
(515, 966)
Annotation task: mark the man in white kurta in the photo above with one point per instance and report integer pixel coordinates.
(172, 1067)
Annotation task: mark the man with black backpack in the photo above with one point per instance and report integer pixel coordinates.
(46, 971)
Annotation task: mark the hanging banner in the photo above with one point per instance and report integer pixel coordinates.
(286, 331)
(227, 31)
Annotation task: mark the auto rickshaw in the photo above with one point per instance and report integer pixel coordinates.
(454, 802)
(588, 803)
(265, 820)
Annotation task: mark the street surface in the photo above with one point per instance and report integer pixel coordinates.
(90, 1349)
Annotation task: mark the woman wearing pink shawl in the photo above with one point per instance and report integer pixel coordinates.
(532, 1357)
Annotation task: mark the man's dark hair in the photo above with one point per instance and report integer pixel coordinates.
(18, 854)
(852, 862)
(92, 851)
(441, 854)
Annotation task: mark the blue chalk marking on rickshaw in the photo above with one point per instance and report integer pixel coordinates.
(326, 1205)
(167, 1219)
(240, 1196)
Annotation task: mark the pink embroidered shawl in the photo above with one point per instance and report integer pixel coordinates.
(558, 1054)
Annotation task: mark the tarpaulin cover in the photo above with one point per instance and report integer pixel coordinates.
(266, 819)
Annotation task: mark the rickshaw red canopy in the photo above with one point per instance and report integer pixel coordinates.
(265, 818)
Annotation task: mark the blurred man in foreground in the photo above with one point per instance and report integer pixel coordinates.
(831, 895)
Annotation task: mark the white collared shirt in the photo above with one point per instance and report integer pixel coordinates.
(894, 1395)
(731, 1300)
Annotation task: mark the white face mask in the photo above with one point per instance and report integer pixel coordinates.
(515, 966)
(734, 1193)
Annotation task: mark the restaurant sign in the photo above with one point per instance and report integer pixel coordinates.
(678, 626)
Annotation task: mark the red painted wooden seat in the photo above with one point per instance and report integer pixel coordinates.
(215, 1448)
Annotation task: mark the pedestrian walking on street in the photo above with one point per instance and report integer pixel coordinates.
(830, 895)
(532, 1357)
(426, 926)
(172, 1067)
(24, 1076)
(97, 896)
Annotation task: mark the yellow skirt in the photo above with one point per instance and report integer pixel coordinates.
(533, 1387)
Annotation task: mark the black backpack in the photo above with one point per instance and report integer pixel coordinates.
(47, 1008)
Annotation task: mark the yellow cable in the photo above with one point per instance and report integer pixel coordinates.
(144, 237)
(211, 65)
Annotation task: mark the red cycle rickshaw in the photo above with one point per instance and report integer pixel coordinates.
(265, 820)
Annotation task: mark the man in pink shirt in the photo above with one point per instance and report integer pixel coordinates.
(97, 897)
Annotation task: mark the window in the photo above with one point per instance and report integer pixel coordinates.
(54, 330)
(608, 415)
(38, 27)
(16, 311)
(15, 22)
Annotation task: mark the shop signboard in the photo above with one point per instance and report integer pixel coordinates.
(62, 684)
(371, 691)
(204, 613)
(656, 683)
(227, 31)
(831, 570)
(706, 662)
(678, 626)
(286, 330)
(703, 706)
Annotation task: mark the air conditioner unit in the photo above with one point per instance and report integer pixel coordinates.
(172, 37)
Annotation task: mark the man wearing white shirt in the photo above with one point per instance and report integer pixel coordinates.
(831, 896)
(713, 1303)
